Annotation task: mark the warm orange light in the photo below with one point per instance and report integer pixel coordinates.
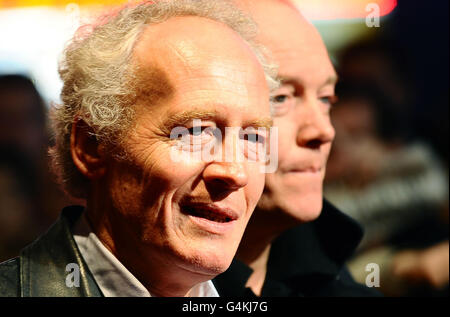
(26, 3)
(312, 9)
(341, 9)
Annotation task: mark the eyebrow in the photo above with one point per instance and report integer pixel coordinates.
(260, 123)
(185, 117)
(332, 80)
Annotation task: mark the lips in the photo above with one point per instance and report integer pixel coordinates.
(307, 165)
(310, 169)
(211, 212)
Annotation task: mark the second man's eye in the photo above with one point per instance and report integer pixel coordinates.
(279, 98)
(282, 100)
(329, 99)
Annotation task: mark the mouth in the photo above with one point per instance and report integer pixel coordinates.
(211, 218)
(310, 169)
(210, 212)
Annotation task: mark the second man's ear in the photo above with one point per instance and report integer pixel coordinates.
(88, 154)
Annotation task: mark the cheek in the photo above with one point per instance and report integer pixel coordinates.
(255, 185)
(327, 149)
(129, 197)
(157, 164)
(276, 185)
(286, 137)
(138, 187)
(179, 177)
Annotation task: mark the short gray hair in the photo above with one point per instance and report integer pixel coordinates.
(97, 72)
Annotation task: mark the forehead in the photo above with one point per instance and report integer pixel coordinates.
(183, 45)
(295, 43)
(204, 61)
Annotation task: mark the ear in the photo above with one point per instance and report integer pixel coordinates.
(88, 155)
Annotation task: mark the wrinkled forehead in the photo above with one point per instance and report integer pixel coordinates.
(204, 63)
(186, 45)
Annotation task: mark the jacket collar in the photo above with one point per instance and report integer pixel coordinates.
(304, 255)
(43, 263)
(320, 247)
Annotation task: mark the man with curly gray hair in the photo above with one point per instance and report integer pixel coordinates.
(151, 226)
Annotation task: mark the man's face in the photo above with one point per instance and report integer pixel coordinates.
(189, 214)
(302, 111)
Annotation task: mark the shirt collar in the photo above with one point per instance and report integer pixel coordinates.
(112, 277)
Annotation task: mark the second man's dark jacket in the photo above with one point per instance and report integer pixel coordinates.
(308, 260)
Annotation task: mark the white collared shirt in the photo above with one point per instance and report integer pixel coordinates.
(112, 277)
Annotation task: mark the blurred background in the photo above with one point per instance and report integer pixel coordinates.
(389, 164)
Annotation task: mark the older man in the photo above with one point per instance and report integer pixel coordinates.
(296, 244)
(157, 221)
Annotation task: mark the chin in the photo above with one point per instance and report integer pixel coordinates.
(209, 260)
(307, 213)
(285, 209)
(211, 267)
(306, 209)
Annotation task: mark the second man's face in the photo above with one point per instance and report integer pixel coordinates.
(301, 111)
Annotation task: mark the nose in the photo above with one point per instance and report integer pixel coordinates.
(314, 126)
(226, 176)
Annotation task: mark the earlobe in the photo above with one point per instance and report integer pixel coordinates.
(87, 153)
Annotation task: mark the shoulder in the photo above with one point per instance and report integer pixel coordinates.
(10, 278)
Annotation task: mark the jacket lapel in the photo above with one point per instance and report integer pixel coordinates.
(43, 263)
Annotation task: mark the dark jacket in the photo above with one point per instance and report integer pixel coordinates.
(308, 260)
(40, 270)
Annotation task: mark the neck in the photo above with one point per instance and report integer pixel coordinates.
(263, 228)
(254, 251)
(259, 266)
(254, 248)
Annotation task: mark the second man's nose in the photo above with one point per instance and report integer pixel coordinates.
(314, 127)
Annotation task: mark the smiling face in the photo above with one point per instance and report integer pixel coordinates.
(188, 215)
(302, 111)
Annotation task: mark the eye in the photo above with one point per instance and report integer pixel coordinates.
(329, 99)
(254, 143)
(253, 137)
(197, 130)
(204, 133)
(283, 99)
(279, 98)
(328, 102)
(197, 137)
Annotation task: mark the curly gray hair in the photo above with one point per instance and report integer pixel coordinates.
(98, 73)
